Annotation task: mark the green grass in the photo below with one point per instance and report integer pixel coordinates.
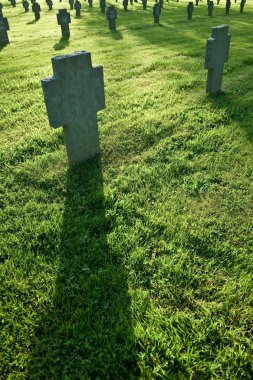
(138, 264)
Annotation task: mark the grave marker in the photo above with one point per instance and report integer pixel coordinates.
(242, 5)
(125, 4)
(63, 19)
(78, 7)
(102, 6)
(228, 5)
(217, 51)
(190, 8)
(13, 3)
(4, 26)
(210, 9)
(156, 13)
(90, 3)
(73, 96)
(36, 10)
(49, 4)
(144, 4)
(25, 5)
(71, 3)
(111, 15)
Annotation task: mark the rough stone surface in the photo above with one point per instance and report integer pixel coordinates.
(217, 52)
(63, 19)
(73, 96)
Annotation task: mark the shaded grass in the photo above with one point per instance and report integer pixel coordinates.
(138, 265)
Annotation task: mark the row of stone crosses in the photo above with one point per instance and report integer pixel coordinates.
(79, 86)
(64, 19)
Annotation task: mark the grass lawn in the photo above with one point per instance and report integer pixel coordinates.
(137, 264)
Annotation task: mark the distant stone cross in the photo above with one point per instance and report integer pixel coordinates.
(4, 26)
(73, 96)
(63, 19)
(217, 51)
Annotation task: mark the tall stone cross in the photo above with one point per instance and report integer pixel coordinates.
(217, 51)
(73, 96)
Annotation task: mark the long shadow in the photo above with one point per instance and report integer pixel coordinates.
(64, 41)
(239, 111)
(87, 332)
(116, 35)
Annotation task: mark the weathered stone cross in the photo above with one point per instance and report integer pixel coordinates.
(217, 51)
(73, 96)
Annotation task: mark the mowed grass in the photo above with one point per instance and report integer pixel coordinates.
(137, 264)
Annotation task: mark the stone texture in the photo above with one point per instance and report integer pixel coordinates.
(217, 52)
(73, 96)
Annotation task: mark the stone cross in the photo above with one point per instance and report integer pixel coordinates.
(25, 5)
(125, 4)
(111, 15)
(190, 8)
(71, 3)
(36, 10)
(217, 51)
(73, 96)
(228, 5)
(4, 26)
(102, 6)
(63, 19)
(90, 3)
(49, 4)
(78, 7)
(210, 8)
(144, 4)
(156, 13)
(242, 5)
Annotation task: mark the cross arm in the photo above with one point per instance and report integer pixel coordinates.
(99, 87)
(53, 101)
(210, 59)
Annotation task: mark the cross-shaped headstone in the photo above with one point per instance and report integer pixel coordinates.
(242, 5)
(78, 7)
(217, 51)
(63, 19)
(49, 4)
(210, 8)
(125, 4)
(36, 10)
(228, 5)
(156, 13)
(190, 8)
(25, 5)
(102, 6)
(73, 96)
(111, 15)
(71, 3)
(4, 26)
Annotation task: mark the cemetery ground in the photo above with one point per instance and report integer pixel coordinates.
(137, 264)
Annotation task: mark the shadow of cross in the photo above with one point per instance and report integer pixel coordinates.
(217, 51)
(73, 96)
